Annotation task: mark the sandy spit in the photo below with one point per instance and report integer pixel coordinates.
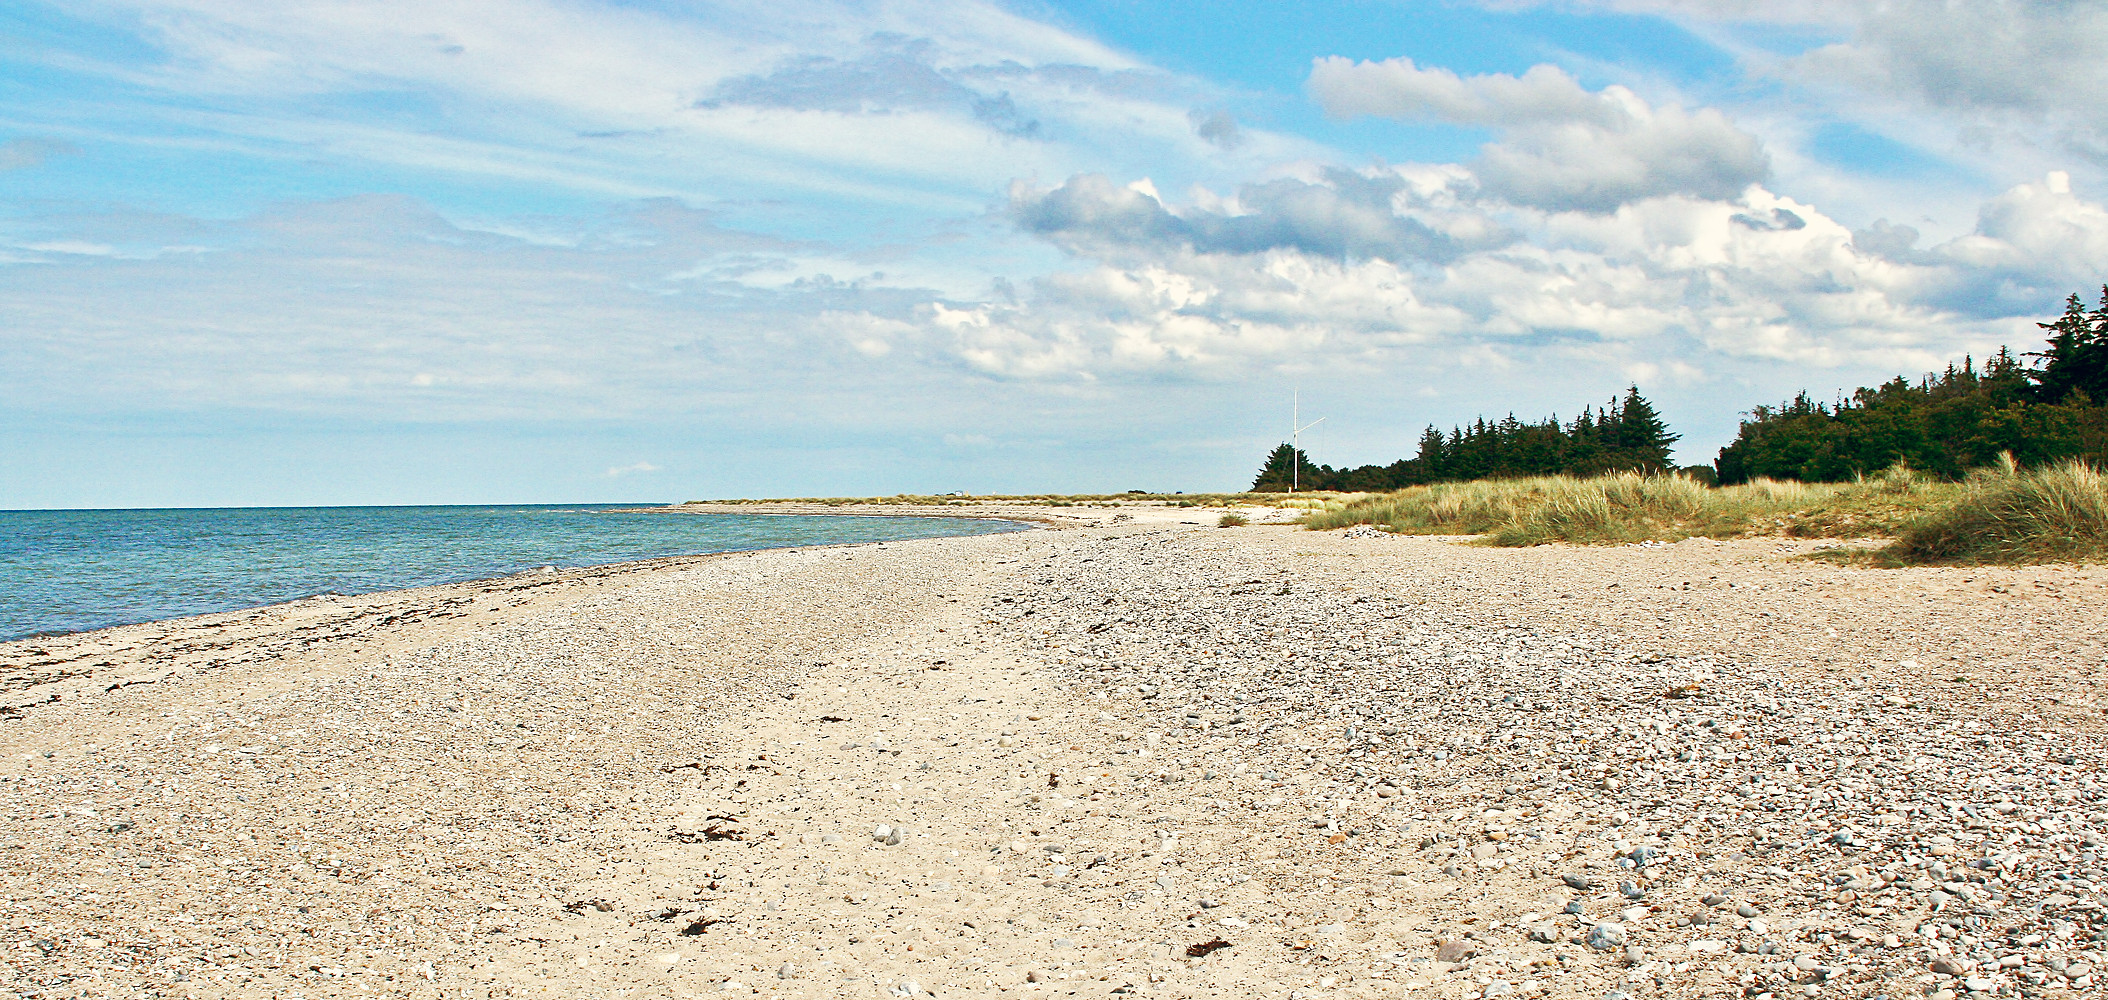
(1140, 756)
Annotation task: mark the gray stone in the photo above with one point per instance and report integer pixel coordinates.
(1606, 936)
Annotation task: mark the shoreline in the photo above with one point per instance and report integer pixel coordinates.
(1045, 763)
(476, 584)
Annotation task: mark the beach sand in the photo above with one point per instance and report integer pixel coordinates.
(1138, 755)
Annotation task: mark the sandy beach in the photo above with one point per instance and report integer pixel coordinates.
(1130, 754)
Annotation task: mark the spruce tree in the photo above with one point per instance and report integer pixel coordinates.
(2076, 359)
(1276, 475)
(1642, 434)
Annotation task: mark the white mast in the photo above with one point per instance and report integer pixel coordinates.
(1295, 434)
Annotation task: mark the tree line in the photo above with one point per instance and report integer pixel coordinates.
(1948, 422)
(2047, 408)
(1623, 435)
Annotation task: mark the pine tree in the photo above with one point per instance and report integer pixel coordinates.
(2077, 356)
(1642, 434)
(1275, 475)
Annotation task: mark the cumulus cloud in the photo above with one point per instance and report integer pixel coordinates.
(1396, 88)
(1561, 146)
(1681, 285)
(1343, 214)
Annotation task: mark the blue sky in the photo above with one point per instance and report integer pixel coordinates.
(563, 250)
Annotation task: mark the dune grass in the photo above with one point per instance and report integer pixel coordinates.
(1999, 515)
(2006, 514)
(1623, 507)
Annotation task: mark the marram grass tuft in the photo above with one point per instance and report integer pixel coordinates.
(2010, 515)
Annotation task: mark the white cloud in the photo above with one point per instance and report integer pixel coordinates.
(1984, 74)
(1561, 146)
(1396, 88)
(907, 102)
(632, 469)
(1342, 214)
(1697, 288)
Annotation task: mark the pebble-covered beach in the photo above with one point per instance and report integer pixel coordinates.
(1134, 755)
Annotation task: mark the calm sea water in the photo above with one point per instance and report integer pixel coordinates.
(71, 570)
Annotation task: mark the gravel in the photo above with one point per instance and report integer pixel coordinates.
(1883, 822)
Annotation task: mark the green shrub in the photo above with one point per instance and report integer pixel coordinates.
(1232, 521)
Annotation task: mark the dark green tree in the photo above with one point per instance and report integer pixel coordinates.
(1280, 471)
(1946, 423)
(2076, 359)
(1643, 437)
(1625, 435)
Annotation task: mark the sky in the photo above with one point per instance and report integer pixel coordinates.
(494, 251)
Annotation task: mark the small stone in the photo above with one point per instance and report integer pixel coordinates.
(1484, 851)
(2078, 970)
(1497, 988)
(1606, 936)
(1038, 976)
(1578, 883)
(1632, 890)
(1453, 949)
(1635, 914)
(1806, 964)
(1387, 791)
(787, 971)
(1948, 967)
(1716, 900)
(1545, 933)
(1979, 984)
(1746, 910)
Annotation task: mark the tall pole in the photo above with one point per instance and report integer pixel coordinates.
(1296, 427)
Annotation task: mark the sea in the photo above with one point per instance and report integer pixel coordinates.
(73, 570)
